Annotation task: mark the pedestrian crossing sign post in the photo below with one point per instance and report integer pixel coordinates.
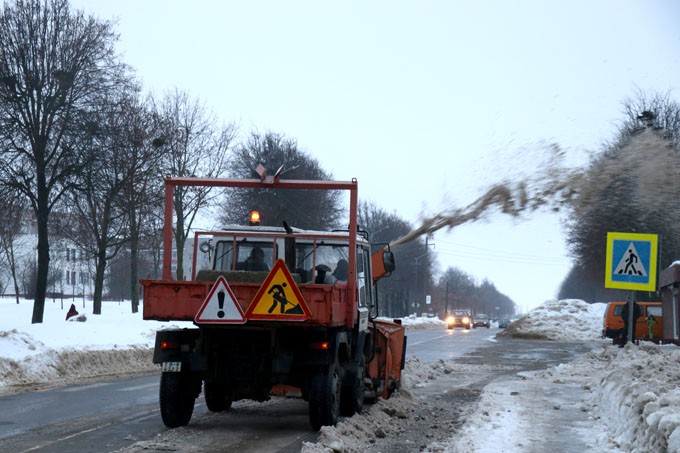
(631, 261)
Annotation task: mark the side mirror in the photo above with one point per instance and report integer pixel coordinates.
(388, 262)
(382, 263)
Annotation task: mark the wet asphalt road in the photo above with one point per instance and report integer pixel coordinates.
(108, 416)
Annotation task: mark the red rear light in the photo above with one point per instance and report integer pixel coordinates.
(320, 345)
(169, 344)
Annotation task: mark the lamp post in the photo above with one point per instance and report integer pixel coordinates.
(421, 289)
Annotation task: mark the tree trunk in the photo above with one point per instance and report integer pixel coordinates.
(43, 258)
(134, 270)
(100, 268)
(134, 273)
(13, 270)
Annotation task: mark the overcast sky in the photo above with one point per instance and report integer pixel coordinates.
(426, 103)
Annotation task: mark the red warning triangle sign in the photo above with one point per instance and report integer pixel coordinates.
(279, 298)
(221, 306)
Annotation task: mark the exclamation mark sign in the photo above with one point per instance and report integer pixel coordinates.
(220, 302)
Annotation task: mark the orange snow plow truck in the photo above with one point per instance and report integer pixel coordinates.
(277, 310)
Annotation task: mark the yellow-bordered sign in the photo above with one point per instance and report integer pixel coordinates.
(279, 298)
(631, 261)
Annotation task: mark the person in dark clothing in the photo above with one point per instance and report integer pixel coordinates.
(255, 261)
(637, 312)
(71, 312)
(323, 276)
(341, 270)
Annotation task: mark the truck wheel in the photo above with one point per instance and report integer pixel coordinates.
(324, 398)
(217, 398)
(352, 397)
(177, 399)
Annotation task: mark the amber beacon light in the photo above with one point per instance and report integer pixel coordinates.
(255, 217)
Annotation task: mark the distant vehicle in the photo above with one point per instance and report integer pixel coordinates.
(503, 323)
(459, 318)
(481, 320)
(612, 322)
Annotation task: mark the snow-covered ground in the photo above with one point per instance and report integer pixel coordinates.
(611, 399)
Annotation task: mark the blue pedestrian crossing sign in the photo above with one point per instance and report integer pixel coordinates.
(631, 261)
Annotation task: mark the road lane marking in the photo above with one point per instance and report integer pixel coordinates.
(426, 341)
(70, 436)
(85, 387)
(139, 387)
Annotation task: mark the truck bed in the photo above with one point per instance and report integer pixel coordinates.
(177, 300)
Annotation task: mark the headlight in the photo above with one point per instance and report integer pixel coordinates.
(450, 320)
(466, 320)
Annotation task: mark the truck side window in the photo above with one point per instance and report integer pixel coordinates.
(654, 311)
(363, 277)
(223, 255)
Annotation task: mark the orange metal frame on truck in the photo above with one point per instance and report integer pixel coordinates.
(265, 182)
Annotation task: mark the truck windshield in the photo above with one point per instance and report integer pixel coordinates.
(242, 255)
(330, 255)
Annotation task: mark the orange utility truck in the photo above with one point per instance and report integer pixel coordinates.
(276, 309)
(612, 322)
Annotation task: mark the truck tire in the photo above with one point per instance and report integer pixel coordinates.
(177, 399)
(324, 397)
(352, 396)
(216, 396)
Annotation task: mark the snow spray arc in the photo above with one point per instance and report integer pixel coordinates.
(511, 200)
(643, 157)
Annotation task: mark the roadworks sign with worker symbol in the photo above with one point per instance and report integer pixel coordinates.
(221, 306)
(279, 298)
(631, 261)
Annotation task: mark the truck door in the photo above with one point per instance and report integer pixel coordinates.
(364, 277)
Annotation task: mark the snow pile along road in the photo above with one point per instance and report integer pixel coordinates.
(58, 352)
(564, 320)
(607, 400)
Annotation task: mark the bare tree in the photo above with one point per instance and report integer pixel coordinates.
(457, 287)
(143, 191)
(14, 210)
(657, 111)
(100, 206)
(196, 147)
(52, 61)
(403, 292)
(152, 237)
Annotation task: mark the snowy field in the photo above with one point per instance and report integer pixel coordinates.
(613, 400)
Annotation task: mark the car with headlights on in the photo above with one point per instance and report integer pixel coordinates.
(481, 320)
(459, 318)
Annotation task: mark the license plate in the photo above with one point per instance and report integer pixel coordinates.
(173, 367)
